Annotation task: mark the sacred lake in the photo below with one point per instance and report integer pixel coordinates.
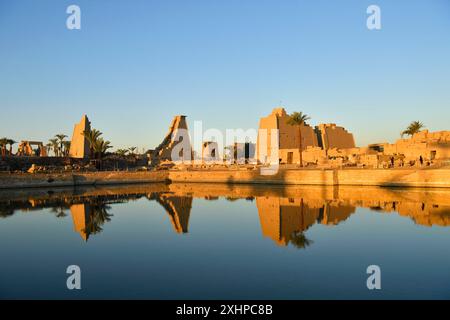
(225, 241)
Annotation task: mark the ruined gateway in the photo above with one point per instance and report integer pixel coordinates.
(163, 152)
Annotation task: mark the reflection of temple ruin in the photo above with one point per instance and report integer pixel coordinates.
(424, 214)
(284, 211)
(178, 208)
(282, 218)
(80, 215)
(88, 218)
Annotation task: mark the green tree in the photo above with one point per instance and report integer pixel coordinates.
(121, 152)
(132, 149)
(413, 128)
(60, 137)
(66, 145)
(101, 147)
(298, 119)
(92, 136)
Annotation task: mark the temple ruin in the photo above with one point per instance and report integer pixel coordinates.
(26, 149)
(331, 146)
(422, 149)
(319, 139)
(177, 132)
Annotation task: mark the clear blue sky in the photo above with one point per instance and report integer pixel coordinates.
(136, 64)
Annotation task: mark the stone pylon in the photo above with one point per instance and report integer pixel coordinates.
(172, 138)
(79, 146)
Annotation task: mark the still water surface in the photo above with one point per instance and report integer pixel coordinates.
(204, 241)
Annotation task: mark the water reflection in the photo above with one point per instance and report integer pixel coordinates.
(88, 218)
(178, 208)
(285, 220)
(285, 213)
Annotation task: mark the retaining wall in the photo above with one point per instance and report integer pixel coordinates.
(350, 177)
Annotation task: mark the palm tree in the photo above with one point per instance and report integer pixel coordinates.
(92, 136)
(66, 147)
(121, 152)
(54, 144)
(100, 147)
(60, 137)
(132, 149)
(298, 119)
(413, 128)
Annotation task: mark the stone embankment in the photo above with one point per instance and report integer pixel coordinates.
(332, 177)
(27, 180)
(350, 177)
